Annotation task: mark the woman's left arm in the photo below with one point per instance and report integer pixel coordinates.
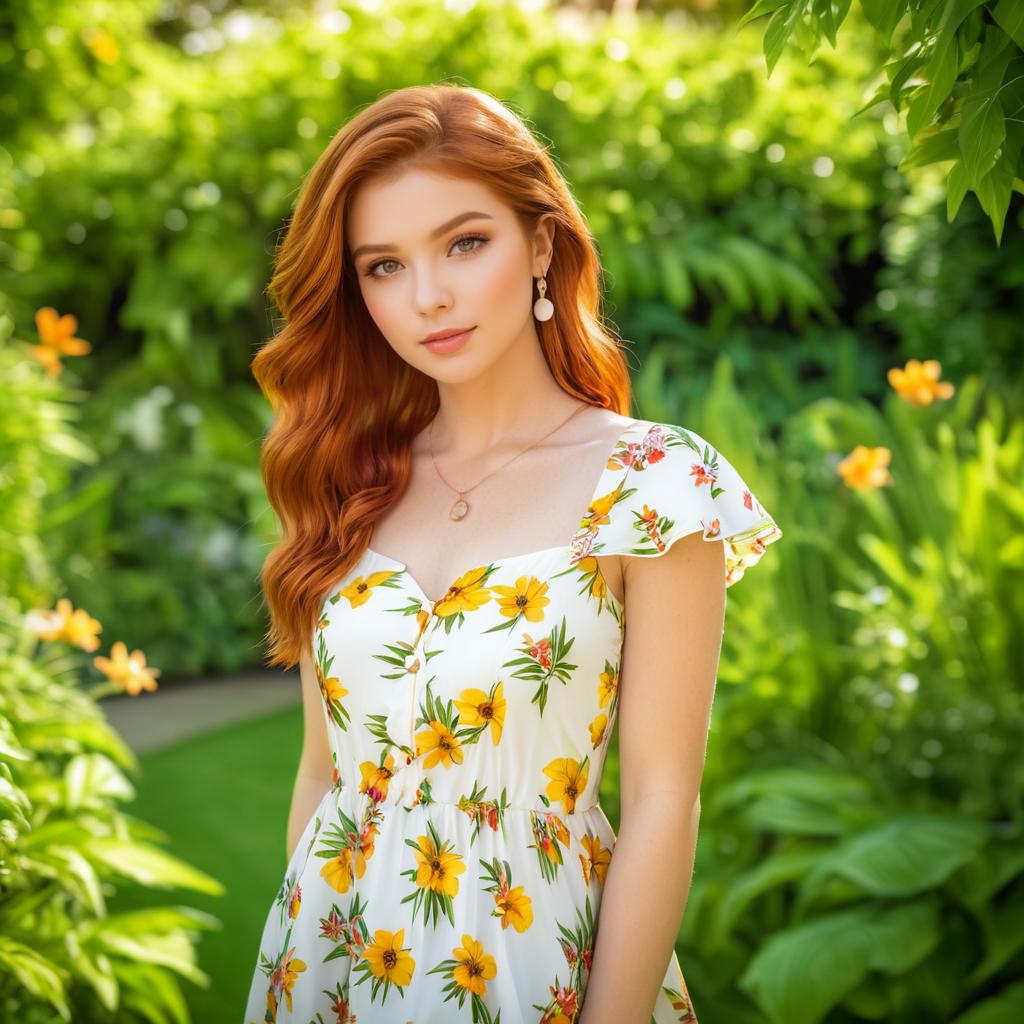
(675, 614)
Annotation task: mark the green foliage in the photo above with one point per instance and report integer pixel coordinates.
(862, 856)
(957, 70)
(65, 846)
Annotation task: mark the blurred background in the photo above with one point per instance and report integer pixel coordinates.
(809, 215)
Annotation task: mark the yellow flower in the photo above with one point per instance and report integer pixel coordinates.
(338, 871)
(475, 966)
(437, 869)
(918, 382)
(285, 976)
(73, 625)
(597, 728)
(443, 747)
(568, 781)
(526, 598)
(866, 468)
(387, 958)
(476, 708)
(514, 908)
(103, 47)
(376, 778)
(360, 590)
(597, 513)
(608, 683)
(466, 594)
(596, 860)
(330, 686)
(127, 671)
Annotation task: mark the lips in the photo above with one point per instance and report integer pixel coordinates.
(449, 343)
(442, 335)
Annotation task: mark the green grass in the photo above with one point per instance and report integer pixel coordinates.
(222, 799)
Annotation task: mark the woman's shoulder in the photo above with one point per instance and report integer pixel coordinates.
(673, 482)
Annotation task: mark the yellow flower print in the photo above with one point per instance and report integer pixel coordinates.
(437, 868)
(568, 781)
(597, 728)
(477, 709)
(596, 859)
(387, 958)
(331, 688)
(338, 871)
(514, 908)
(608, 683)
(439, 745)
(376, 778)
(466, 594)
(285, 976)
(294, 900)
(597, 513)
(360, 590)
(475, 967)
(526, 598)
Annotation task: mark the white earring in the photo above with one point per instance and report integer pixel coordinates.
(543, 309)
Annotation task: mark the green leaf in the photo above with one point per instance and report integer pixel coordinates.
(943, 66)
(931, 146)
(1005, 1008)
(799, 974)
(884, 15)
(762, 7)
(32, 971)
(981, 133)
(1009, 16)
(956, 189)
(151, 866)
(993, 193)
(903, 857)
(779, 29)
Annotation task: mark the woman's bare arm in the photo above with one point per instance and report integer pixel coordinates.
(675, 610)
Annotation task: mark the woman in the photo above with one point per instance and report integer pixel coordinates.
(469, 520)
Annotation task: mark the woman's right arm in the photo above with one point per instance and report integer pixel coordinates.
(316, 767)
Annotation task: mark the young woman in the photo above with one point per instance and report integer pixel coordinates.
(470, 518)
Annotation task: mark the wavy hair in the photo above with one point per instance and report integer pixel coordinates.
(346, 406)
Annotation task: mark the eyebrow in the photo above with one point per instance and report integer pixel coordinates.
(436, 233)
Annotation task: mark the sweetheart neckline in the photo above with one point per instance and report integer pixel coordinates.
(599, 487)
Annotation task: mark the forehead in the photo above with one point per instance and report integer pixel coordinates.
(409, 205)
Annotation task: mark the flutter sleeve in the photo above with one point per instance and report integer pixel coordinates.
(675, 483)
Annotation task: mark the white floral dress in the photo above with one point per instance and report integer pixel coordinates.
(455, 870)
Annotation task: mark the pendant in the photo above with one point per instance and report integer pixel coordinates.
(459, 509)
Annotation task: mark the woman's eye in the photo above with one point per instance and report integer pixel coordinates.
(371, 271)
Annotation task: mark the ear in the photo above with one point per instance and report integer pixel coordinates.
(543, 244)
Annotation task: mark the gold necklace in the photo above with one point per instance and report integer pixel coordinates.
(460, 509)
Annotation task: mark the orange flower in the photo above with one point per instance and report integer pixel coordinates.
(918, 382)
(596, 860)
(866, 468)
(73, 625)
(127, 671)
(58, 336)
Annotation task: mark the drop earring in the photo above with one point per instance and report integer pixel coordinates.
(543, 309)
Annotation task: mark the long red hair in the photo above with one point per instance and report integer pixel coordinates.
(346, 406)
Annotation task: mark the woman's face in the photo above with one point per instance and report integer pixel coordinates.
(433, 252)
